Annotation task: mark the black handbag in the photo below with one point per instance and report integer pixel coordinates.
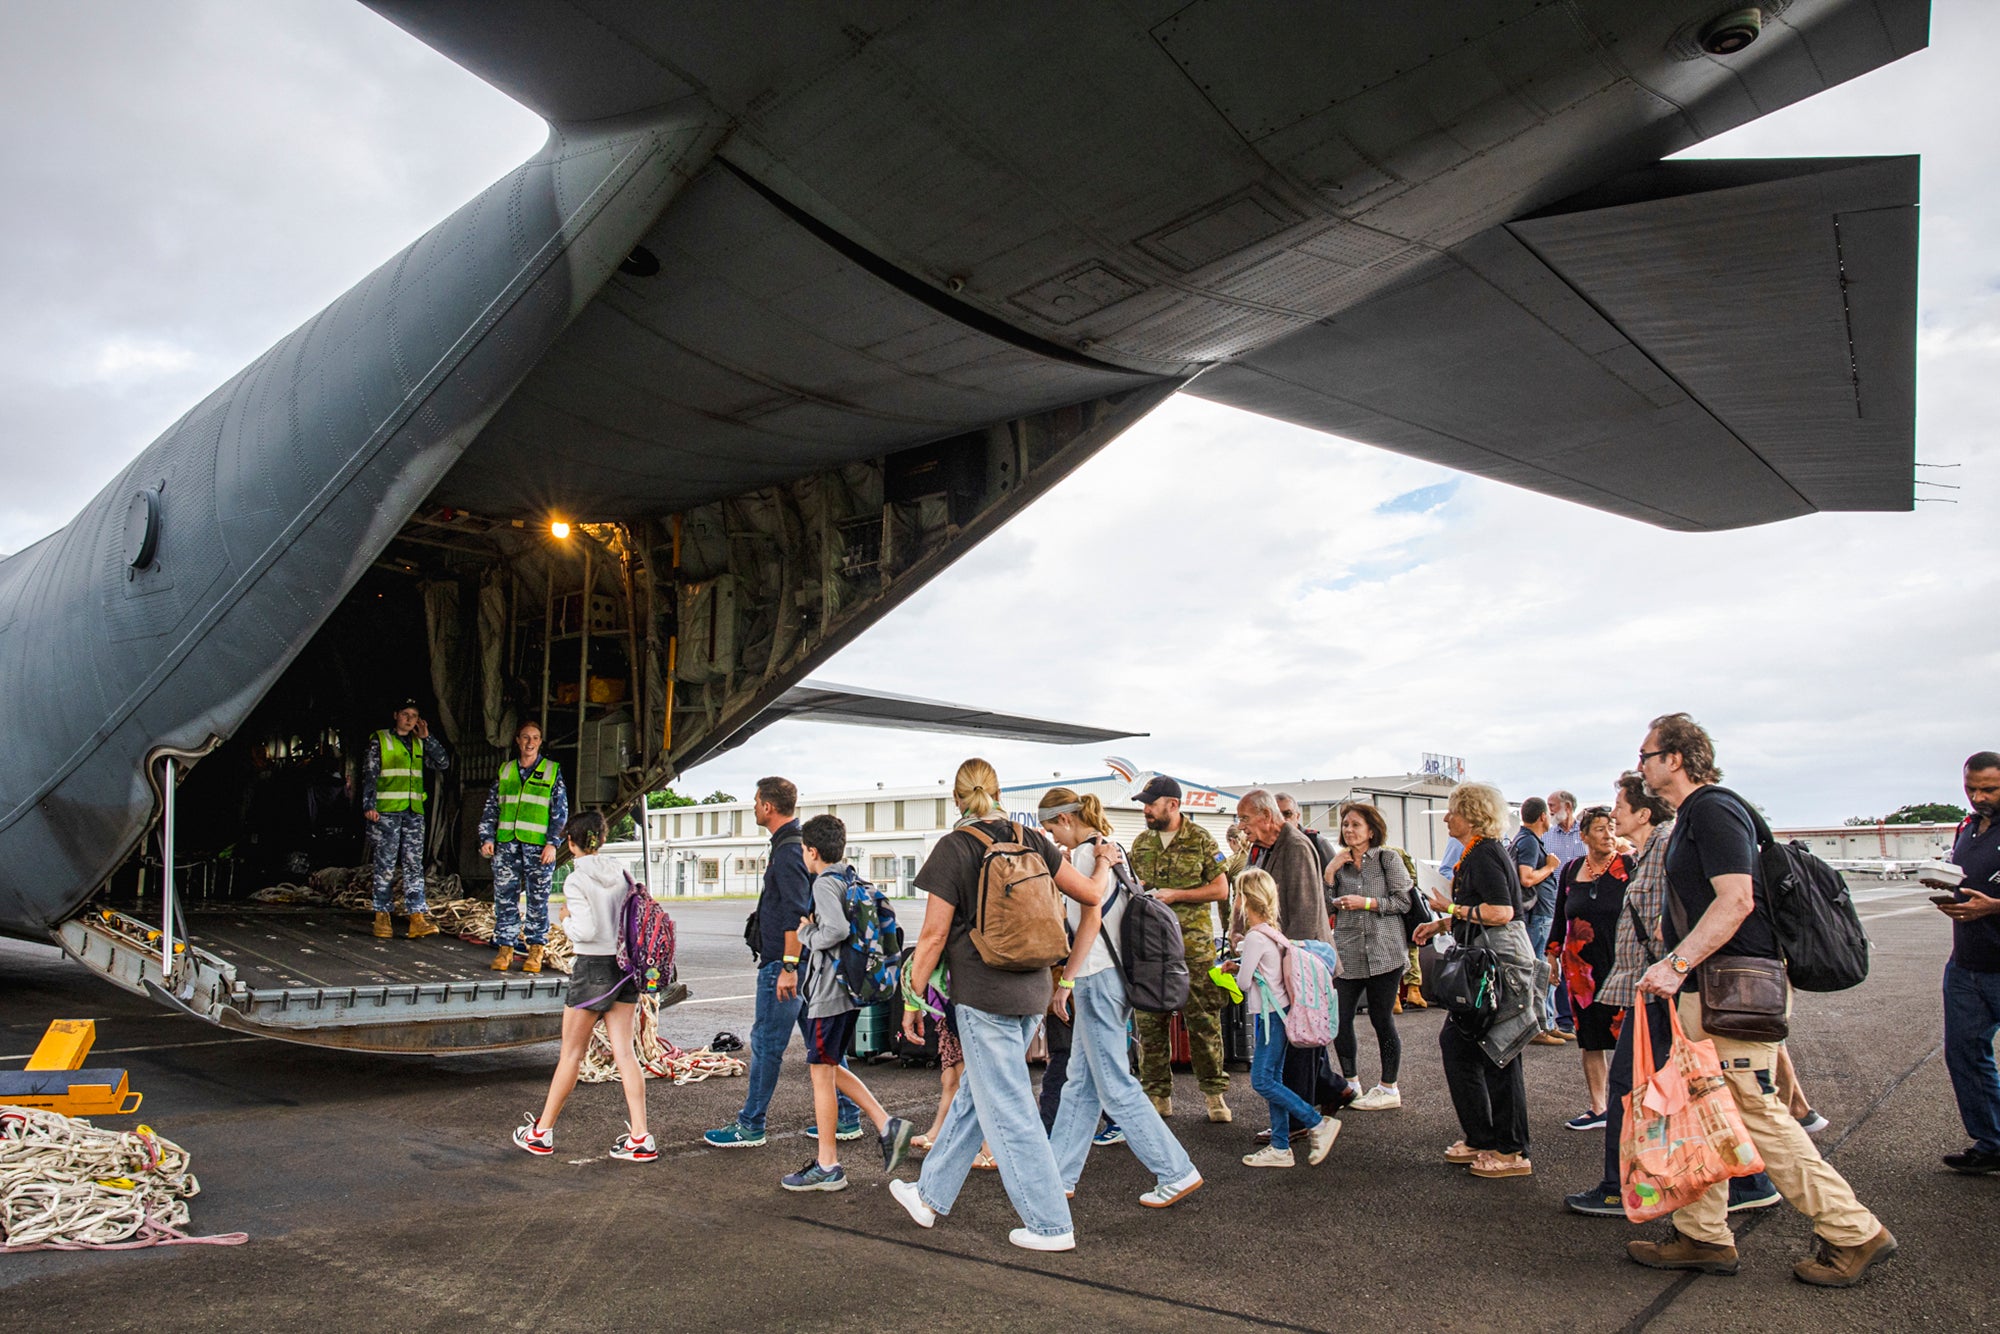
(1465, 981)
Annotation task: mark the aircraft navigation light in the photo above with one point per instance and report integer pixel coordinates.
(559, 529)
(1733, 31)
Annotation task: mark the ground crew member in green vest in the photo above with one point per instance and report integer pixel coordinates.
(392, 801)
(526, 810)
(1177, 859)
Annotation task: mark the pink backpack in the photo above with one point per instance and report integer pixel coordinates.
(1308, 993)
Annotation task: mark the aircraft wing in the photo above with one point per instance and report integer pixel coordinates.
(824, 702)
(1700, 345)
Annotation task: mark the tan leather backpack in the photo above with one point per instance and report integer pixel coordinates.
(1017, 921)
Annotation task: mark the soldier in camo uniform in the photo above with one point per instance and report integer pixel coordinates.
(1178, 860)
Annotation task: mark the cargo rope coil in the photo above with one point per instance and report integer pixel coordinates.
(658, 1057)
(66, 1185)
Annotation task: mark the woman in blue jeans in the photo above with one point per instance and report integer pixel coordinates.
(1100, 1074)
(998, 1010)
(1261, 970)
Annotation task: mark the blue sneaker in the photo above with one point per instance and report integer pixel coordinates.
(843, 1132)
(896, 1143)
(814, 1177)
(1111, 1134)
(737, 1136)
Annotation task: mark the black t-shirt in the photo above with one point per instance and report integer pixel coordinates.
(1485, 874)
(951, 875)
(1975, 945)
(1715, 835)
(1529, 854)
(1587, 911)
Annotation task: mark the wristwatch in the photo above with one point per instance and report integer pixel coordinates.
(790, 967)
(1679, 964)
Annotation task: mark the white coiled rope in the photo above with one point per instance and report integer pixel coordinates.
(65, 1185)
(659, 1058)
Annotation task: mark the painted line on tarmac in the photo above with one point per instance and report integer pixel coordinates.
(1898, 912)
(164, 1046)
(1099, 1285)
(1681, 1284)
(716, 1000)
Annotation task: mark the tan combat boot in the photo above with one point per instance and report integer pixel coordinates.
(421, 925)
(503, 960)
(1218, 1110)
(384, 928)
(1164, 1106)
(1680, 1251)
(533, 964)
(1842, 1266)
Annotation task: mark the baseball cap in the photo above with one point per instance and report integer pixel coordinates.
(408, 704)
(1159, 785)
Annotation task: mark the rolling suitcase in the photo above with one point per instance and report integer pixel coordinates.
(1178, 1054)
(874, 1031)
(1239, 1034)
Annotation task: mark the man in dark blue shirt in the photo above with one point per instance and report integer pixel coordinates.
(1972, 974)
(1535, 866)
(1712, 870)
(785, 898)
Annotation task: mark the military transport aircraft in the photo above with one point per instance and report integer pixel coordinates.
(801, 301)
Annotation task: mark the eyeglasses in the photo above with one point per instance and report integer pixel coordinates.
(1645, 755)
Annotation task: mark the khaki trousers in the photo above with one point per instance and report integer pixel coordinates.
(1804, 1178)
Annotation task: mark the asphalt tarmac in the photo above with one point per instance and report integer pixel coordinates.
(382, 1193)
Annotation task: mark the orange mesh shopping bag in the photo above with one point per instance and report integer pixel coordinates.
(1682, 1130)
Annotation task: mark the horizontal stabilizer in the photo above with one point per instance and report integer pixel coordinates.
(1702, 345)
(825, 702)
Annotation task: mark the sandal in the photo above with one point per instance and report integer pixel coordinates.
(1463, 1154)
(921, 1143)
(1497, 1166)
(984, 1162)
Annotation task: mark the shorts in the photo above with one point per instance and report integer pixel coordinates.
(949, 1052)
(827, 1038)
(1597, 1027)
(597, 983)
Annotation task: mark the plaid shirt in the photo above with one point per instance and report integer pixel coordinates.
(1645, 898)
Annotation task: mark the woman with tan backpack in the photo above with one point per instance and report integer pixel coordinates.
(995, 916)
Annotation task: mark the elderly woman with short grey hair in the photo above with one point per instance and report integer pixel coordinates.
(1370, 890)
(1482, 1052)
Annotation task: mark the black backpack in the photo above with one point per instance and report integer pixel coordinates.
(1149, 953)
(1811, 912)
(1419, 911)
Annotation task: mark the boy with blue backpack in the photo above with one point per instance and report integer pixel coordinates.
(847, 943)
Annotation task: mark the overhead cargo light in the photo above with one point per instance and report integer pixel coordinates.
(1732, 32)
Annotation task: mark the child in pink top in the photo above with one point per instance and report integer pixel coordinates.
(1261, 967)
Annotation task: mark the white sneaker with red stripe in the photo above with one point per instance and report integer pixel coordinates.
(533, 1138)
(640, 1149)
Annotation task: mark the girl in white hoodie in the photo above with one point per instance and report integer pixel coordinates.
(593, 914)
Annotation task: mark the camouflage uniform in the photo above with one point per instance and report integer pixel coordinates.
(1190, 863)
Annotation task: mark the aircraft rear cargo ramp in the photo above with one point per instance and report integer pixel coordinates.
(317, 976)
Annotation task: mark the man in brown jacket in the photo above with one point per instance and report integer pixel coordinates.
(1286, 854)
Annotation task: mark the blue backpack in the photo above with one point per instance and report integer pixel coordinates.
(868, 957)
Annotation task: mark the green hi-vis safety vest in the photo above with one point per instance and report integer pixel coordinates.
(524, 802)
(401, 786)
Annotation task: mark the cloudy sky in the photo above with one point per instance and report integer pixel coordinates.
(187, 182)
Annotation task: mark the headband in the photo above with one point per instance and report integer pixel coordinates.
(1047, 813)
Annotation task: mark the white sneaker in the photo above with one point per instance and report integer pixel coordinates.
(1269, 1157)
(1378, 1099)
(906, 1195)
(1159, 1197)
(1319, 1140)
(1035, 1241)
